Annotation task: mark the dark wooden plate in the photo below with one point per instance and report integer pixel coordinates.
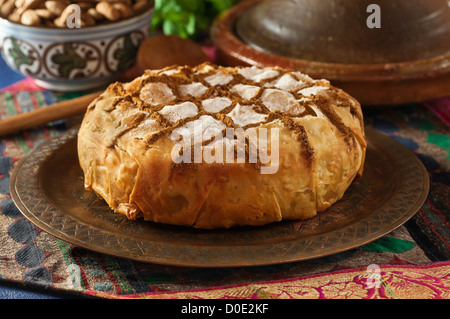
(47, 187)
(407, 60)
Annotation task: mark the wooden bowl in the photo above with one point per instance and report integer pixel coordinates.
(406, 60)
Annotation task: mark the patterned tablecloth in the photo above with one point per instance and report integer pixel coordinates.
(412, 261)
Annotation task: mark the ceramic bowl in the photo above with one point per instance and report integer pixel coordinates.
(71, 60)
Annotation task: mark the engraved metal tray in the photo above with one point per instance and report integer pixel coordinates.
(47, 187)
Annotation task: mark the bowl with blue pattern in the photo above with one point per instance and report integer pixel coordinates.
(74, 59)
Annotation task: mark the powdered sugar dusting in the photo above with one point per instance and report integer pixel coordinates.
(215, 97)
(246, 91)
(195, 89)
(177, 112)
(243, 115)
(216, 104)
(287, 83)
(219, 78)
(156, 93)
(258, 74)
(313, 90)
(278, 100)
(204, 128)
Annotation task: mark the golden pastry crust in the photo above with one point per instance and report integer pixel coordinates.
(126, 145)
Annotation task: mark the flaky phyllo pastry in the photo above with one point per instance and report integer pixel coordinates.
(216, 147)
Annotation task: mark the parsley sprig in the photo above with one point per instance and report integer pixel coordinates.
(187, 18)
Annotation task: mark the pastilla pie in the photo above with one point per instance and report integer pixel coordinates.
(217, 147)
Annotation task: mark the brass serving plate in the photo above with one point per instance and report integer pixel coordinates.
(47, 187)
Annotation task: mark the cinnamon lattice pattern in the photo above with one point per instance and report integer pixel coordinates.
(218, 97)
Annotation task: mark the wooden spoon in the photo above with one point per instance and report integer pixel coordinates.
(154, 53)
(161, 51)
(60, 110)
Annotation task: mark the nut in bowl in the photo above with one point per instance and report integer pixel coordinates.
(73, 45)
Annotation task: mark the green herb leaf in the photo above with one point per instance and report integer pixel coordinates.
(389, 244)
(187, 18)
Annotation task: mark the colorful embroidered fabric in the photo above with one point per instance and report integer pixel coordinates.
(412, 261)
